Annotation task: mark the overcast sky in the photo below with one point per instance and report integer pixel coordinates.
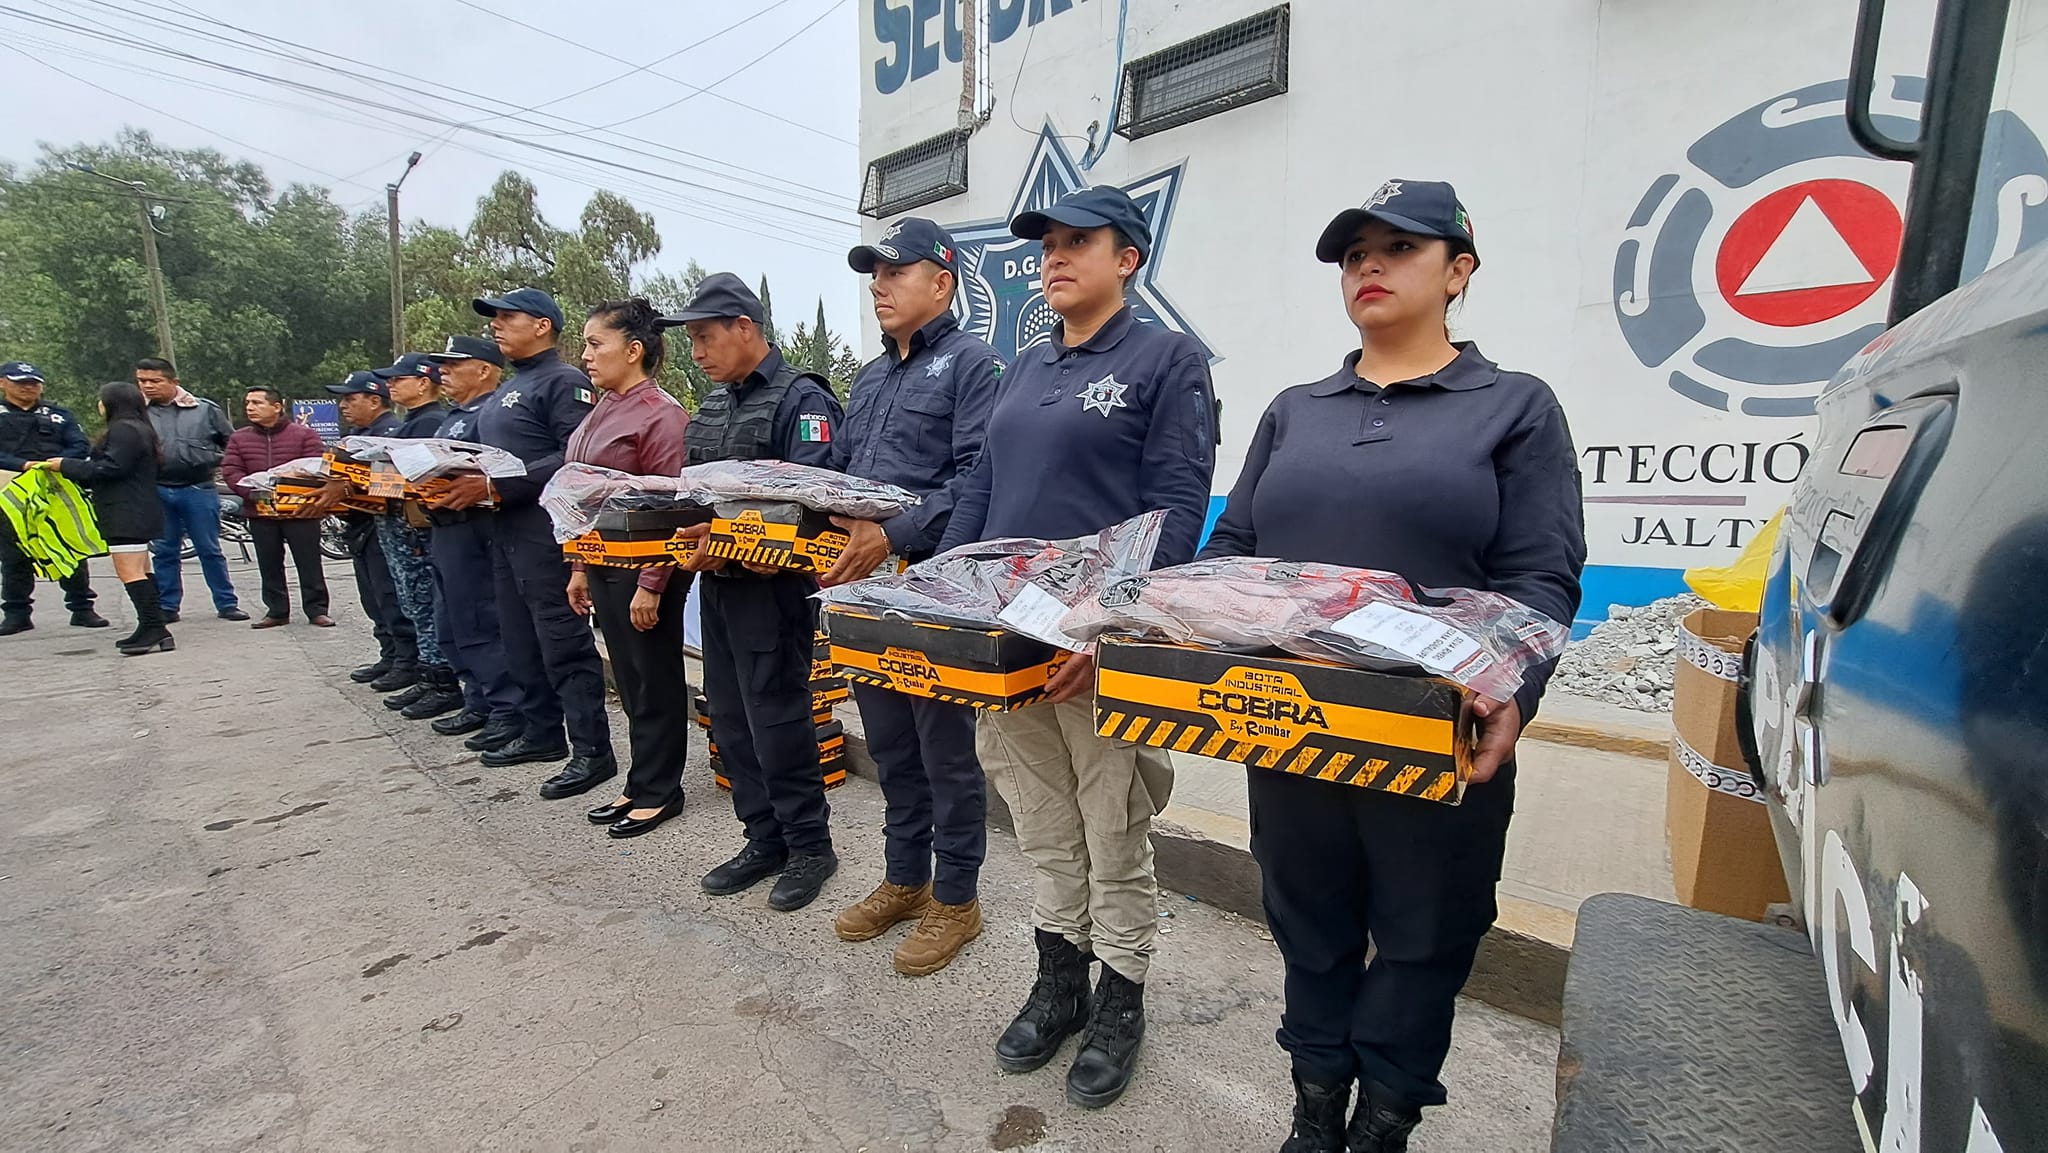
(782, 101)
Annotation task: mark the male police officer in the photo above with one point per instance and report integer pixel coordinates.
(463, 570)
(916, 419)
(415, 384)
(365, 403)
(760, 626)
(549, 647)
(31, 430)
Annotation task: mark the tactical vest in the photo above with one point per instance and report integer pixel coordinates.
(740, 429)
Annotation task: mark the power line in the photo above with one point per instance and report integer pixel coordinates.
(836, 6)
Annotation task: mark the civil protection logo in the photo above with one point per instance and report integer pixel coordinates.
(1804, 245)
(1001, 300)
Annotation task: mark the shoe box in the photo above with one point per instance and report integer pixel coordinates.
(636, 538)
(992, 669)
(776, 534)
(826, 692)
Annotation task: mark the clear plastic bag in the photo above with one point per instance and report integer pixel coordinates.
(1021, 584)
(429, 457)
(264, 483)
(578, 494)
(1361, 617)
(776, 480)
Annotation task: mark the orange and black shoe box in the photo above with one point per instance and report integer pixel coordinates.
(992, 669)
(295, 495)
(639, 539)
(1399, 734)
(777, 534)
(831, 757)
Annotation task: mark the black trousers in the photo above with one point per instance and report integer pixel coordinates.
(388, 622)
(548, 647)
(18, 579)
(466, 616)
(936, 793)
(272, 535)
(759, 633)
(653, 685)
(1344, 865)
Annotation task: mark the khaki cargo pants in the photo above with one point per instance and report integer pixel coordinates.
(1083, 805)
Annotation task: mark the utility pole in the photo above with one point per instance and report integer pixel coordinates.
(158, 303)
(397, 274)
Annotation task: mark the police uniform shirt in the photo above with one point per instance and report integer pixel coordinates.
(1466, 478)
(807, 418)
(916, 418)
(1084, 437)
(38, 433)
(531, 416)
(460, 422)
(423, 422)
(386, 424)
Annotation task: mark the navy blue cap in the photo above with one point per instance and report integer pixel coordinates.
(470, 348)
(907, 241)
(412, 364)
(1420, 207)
(531, 301)
(1102, 206)
(361, 382)
(21, 372)
(721, 296)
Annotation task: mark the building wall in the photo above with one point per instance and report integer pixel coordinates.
(1620, 159)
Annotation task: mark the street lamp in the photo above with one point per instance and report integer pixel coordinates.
(164, 347)
(397, 279)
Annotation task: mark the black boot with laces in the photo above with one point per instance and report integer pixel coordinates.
(1056, 1009)
(1109, 1052)
(1318, 1117)
(1382, 1122)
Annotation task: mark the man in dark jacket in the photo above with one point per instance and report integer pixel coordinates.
(193, 434)
(31, 430)
(272, 438)
(365, 401)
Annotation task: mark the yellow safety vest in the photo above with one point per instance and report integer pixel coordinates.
(53, 522)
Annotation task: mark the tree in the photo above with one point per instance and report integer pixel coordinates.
(768, 311)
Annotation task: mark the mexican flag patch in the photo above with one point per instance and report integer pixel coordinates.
(814, 428)
(585, 395)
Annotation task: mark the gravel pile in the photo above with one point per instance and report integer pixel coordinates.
(1628, 659)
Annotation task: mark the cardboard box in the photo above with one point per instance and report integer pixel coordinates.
(636, 539)
(1723, 857)
(1395, 733)
(296, 494)
(781, 535)
(992, 669)
(831, 757)
(821, 708)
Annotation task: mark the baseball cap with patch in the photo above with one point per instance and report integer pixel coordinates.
(470, 348)
(1418, 207)
(721, 296)
(531, 301)
(412, 364)
(362, 381)
(1102, 206)
(907, 241)
(21, 372)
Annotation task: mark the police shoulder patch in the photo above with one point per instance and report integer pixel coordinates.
(584, 395)
(814, 428)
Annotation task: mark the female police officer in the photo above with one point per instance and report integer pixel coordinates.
(1421, 457)
(1108, 419)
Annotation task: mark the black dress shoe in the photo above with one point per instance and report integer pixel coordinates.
(582, 774)
(233, 615)
(398, 677)
(743, 872)
(434, 703)
(88, 619)
(628, 827)
(801, 879)
(495, 736)
(606, 814)
(457, 724)
(526, 751)
(407, 696)
(368, 673)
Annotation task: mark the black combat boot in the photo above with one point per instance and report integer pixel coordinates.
(370, 672)
(1382, 1122)
(443, 695)
(1109, 1051)
(1318, 1117)
(401, 675)
(1056, 1009)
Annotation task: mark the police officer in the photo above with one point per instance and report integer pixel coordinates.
(1109, 419)
(550, 650)
(415, 384)
(915, 419)
(1421, 457)
(365, 402)
(466, 597)
(31, 430)
(760, 626)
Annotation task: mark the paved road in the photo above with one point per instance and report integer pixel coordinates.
(244, 907)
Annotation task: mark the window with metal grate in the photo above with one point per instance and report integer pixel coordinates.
(929, 170)
(1235, 65)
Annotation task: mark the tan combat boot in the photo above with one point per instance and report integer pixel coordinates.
(886, 906)
(938, 938)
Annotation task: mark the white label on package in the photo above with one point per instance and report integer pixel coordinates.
(1036, 613)
(414, 460)
(1425, 640)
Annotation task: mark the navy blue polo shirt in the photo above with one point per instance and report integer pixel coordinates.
(1465, 478)
(423, 422)
(806, 421)
(1084, 437)
(531, 417)
(916, 418)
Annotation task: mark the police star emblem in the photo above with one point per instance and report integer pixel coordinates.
(1387, 191)
(1104, 395)
(510, 399)
(938, 366)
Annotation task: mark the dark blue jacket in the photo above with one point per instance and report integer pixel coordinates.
(808, 419)
(39, 433)
(1466, 478)
(916, 418)
(531, 416)
(423, 422)
(1082, 438)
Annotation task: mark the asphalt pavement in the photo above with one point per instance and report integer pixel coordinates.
(243, 907)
